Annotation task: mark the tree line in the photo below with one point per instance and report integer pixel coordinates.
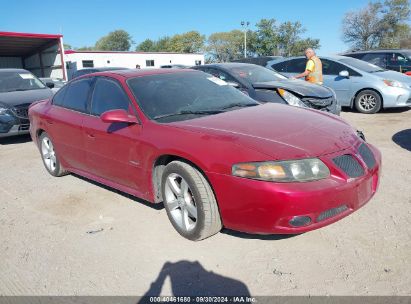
(268, 38)
(381, 24)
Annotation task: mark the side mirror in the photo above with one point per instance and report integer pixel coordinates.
(233, 84)
(344, 74)
(118, 116)
(50, 85)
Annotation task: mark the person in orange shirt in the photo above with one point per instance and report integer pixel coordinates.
(313, 70)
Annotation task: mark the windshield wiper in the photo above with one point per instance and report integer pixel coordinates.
(187, 112)
(240, 105)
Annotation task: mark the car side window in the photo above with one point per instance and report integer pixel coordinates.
(357, 56)
(396, 59)
(281, 66)
(379, 59)
(221, 74)
(77, 95)
(334, 68)
(296, 65)
(108, 95)
(58, 98)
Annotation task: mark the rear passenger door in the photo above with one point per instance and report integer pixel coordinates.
(66, 128)
(111, 148)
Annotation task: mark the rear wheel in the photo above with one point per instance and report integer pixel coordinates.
(48, 154)
(189, 202)
(368, 102)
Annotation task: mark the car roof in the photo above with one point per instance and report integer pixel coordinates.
(331, 57)
(130, 73)
(378, 51)
(14, 70)
(228, 64)
(101, 69)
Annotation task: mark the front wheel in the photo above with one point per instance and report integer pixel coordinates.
(48, 154)
(189, 201)
(368, 102)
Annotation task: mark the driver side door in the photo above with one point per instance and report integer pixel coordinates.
(111, 148)
(340, 85)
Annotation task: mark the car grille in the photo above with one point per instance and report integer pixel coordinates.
(331, 212)
(24, 127)
(367, 156)
(21, 111)
(318, 103)
(349, 165)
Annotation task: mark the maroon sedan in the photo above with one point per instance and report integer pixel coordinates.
(211, 154)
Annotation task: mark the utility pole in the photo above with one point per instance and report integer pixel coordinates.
(245, 25)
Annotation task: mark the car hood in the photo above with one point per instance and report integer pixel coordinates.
(279, 131)
(302, 88)
(392, 75)
(22, 97)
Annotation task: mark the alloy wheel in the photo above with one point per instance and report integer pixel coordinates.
(48, 154)
(180, 202)
(367, 102)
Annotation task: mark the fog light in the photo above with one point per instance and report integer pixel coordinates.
(299, 221)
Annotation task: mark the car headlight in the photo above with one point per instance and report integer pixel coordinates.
(291, 99)
(3, 109)
(394, 83)
(301, 170)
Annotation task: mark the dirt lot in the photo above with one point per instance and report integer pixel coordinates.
(45, 248)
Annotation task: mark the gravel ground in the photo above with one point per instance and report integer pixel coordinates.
(69, 236)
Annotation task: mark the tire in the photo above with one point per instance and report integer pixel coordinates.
(368, 102)
(189, 201)
(49, 156)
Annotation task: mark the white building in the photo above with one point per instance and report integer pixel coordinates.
(76, 60)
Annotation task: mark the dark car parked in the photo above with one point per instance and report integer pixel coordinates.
(395, 60)
(174, 66)
(18, 90)
(94, 70)
(262, 60)
(264, 85)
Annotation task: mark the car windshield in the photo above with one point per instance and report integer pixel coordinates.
(181, 96)
(254, 73)
(361, 65)
(11, 81)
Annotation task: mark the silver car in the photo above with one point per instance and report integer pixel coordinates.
(356, 83)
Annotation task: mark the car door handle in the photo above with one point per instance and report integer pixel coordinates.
(50, 122)
(92, 136)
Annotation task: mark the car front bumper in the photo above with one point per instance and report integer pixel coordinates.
(11, 125)
(267, 208)
(396, 97)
